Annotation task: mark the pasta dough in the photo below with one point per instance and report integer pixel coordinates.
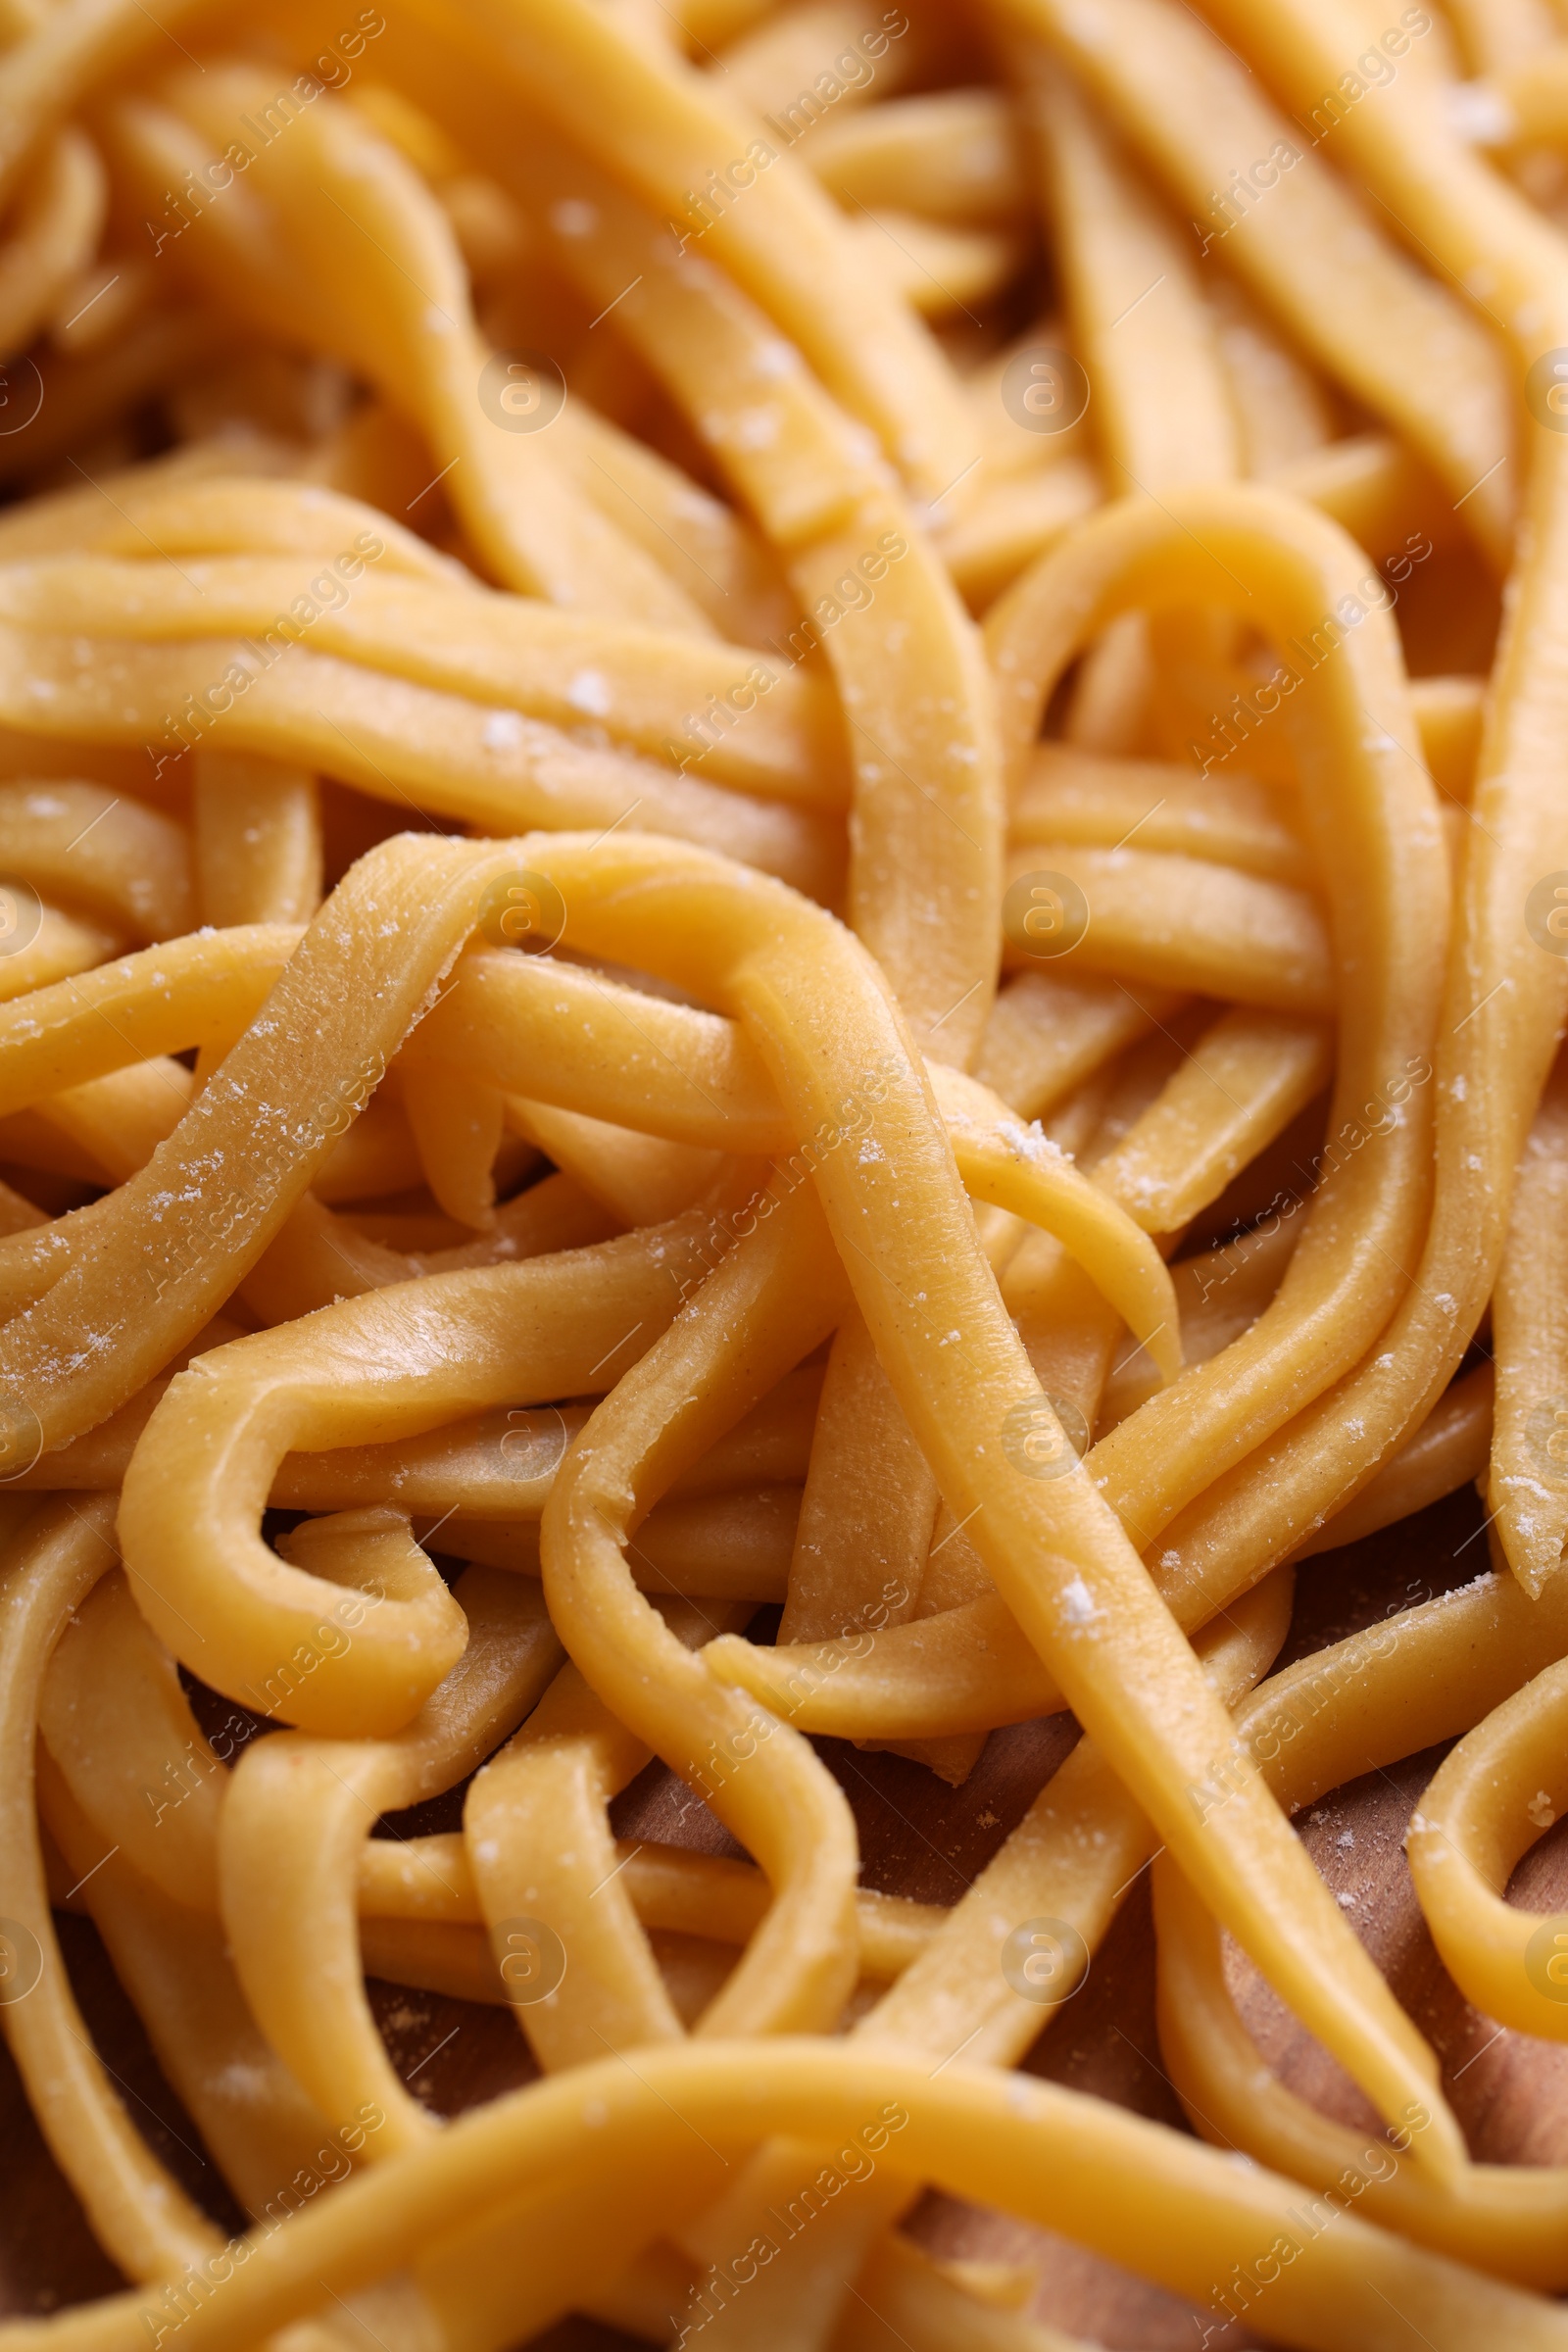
(744, 863)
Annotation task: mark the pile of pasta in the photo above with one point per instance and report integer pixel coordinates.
(783, 924)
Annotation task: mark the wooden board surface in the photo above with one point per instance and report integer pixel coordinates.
(921, 1839)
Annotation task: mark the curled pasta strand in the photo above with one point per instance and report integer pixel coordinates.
(137, 2210)
(1530, 1346)
(297, 1814)
(384, 262)
(267, 1391)
(1030, 2147)
(1338, 1292)
(538, 1848)
(1059, 1556)
(1499, 1789)
(768, 1304)
(1415, 1678)
(1072, 1858)
(59, 221)
(1017, 1168)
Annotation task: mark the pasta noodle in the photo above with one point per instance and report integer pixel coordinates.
(782, 948)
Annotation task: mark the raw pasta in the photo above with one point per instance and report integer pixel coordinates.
(783, 928)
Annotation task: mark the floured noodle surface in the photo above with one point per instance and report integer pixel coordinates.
(783, 922)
